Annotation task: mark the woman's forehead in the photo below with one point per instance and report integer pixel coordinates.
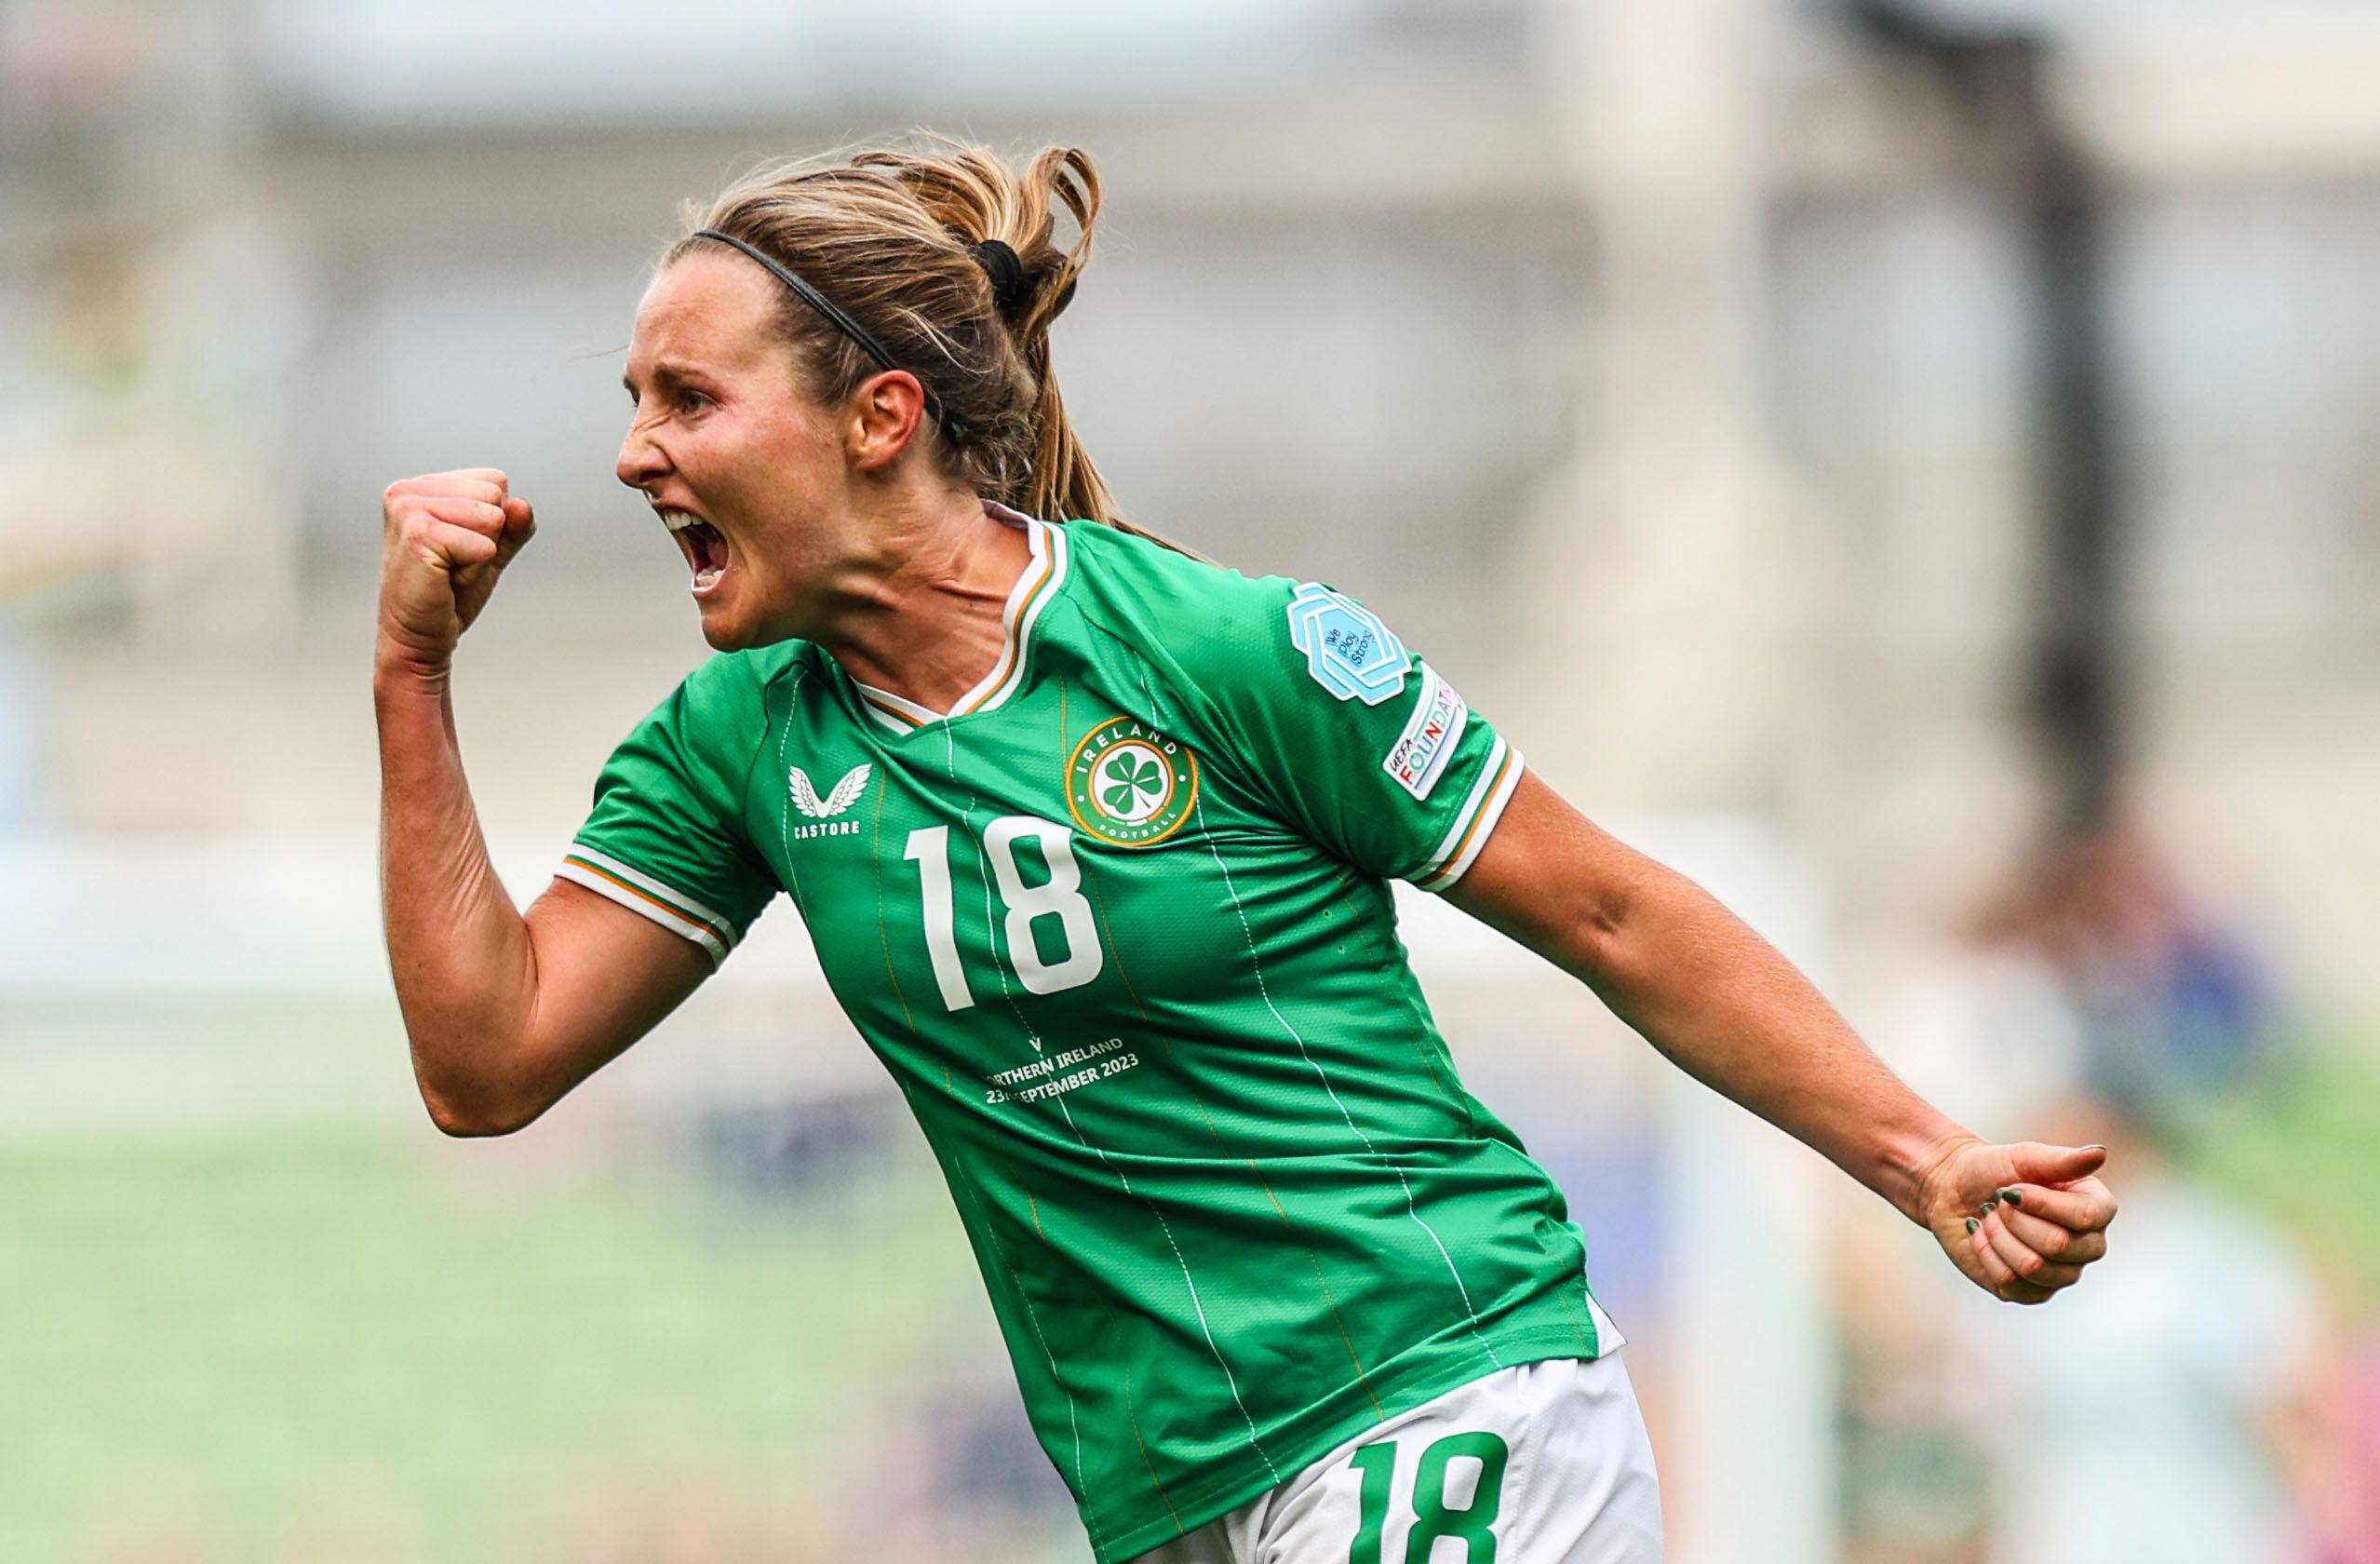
(707, 307)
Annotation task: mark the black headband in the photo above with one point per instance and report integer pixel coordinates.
(839, 321)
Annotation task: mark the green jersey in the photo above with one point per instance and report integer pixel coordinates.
(1119, 925)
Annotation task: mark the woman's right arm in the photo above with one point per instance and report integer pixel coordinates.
(505, 1012)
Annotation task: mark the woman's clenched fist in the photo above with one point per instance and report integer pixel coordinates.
(445, 537)
(2022, 1220)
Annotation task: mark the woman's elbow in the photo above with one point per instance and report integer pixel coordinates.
(470, 1109)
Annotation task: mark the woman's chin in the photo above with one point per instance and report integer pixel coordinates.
(729, 627)
(725, 633)
(723, 626)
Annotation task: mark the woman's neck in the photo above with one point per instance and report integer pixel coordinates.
(925, 620)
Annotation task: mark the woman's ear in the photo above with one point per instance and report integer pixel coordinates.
(886, 411)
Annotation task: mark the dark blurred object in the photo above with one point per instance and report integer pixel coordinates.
(985, 1461)
(1998, 76)
(799, 1149)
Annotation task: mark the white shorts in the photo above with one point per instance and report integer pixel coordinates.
(1539, 1463)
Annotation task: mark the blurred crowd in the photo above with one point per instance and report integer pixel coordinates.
(2214, 1394)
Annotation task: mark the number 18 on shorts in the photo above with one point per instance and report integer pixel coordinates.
(1541, 1463)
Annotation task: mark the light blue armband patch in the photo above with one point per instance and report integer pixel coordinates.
(1347, 650)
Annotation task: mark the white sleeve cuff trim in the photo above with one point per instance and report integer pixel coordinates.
(641, 893)
(1500, 775)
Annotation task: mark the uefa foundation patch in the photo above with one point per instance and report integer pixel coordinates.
(1128, 785)
(1419, 755)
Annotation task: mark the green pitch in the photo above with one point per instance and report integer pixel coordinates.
(242, 1341)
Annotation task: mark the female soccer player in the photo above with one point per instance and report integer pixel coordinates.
(1092, 838)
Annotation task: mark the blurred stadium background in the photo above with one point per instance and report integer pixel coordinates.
(1913, 469)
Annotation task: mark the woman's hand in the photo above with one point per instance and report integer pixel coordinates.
(444, 539)
(2021, 1220)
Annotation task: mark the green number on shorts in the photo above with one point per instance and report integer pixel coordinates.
(1377, 1463)
(1432, 1518)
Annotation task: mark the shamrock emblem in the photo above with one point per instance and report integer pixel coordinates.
(1128, 785)
(1128, 776)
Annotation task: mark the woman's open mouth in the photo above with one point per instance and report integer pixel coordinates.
(704, 545)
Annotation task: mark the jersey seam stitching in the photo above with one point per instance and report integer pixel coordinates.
(760, 740)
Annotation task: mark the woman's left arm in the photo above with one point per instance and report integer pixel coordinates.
(2021, 1221)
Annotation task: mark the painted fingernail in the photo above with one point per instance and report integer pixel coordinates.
(1972, 1224)
(2012, 1197)
(1986, 1207)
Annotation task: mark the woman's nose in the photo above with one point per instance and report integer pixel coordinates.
(640, 460)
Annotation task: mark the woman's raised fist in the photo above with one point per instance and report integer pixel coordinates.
(445, 538)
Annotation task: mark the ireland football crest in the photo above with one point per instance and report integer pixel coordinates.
(1130, 785)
